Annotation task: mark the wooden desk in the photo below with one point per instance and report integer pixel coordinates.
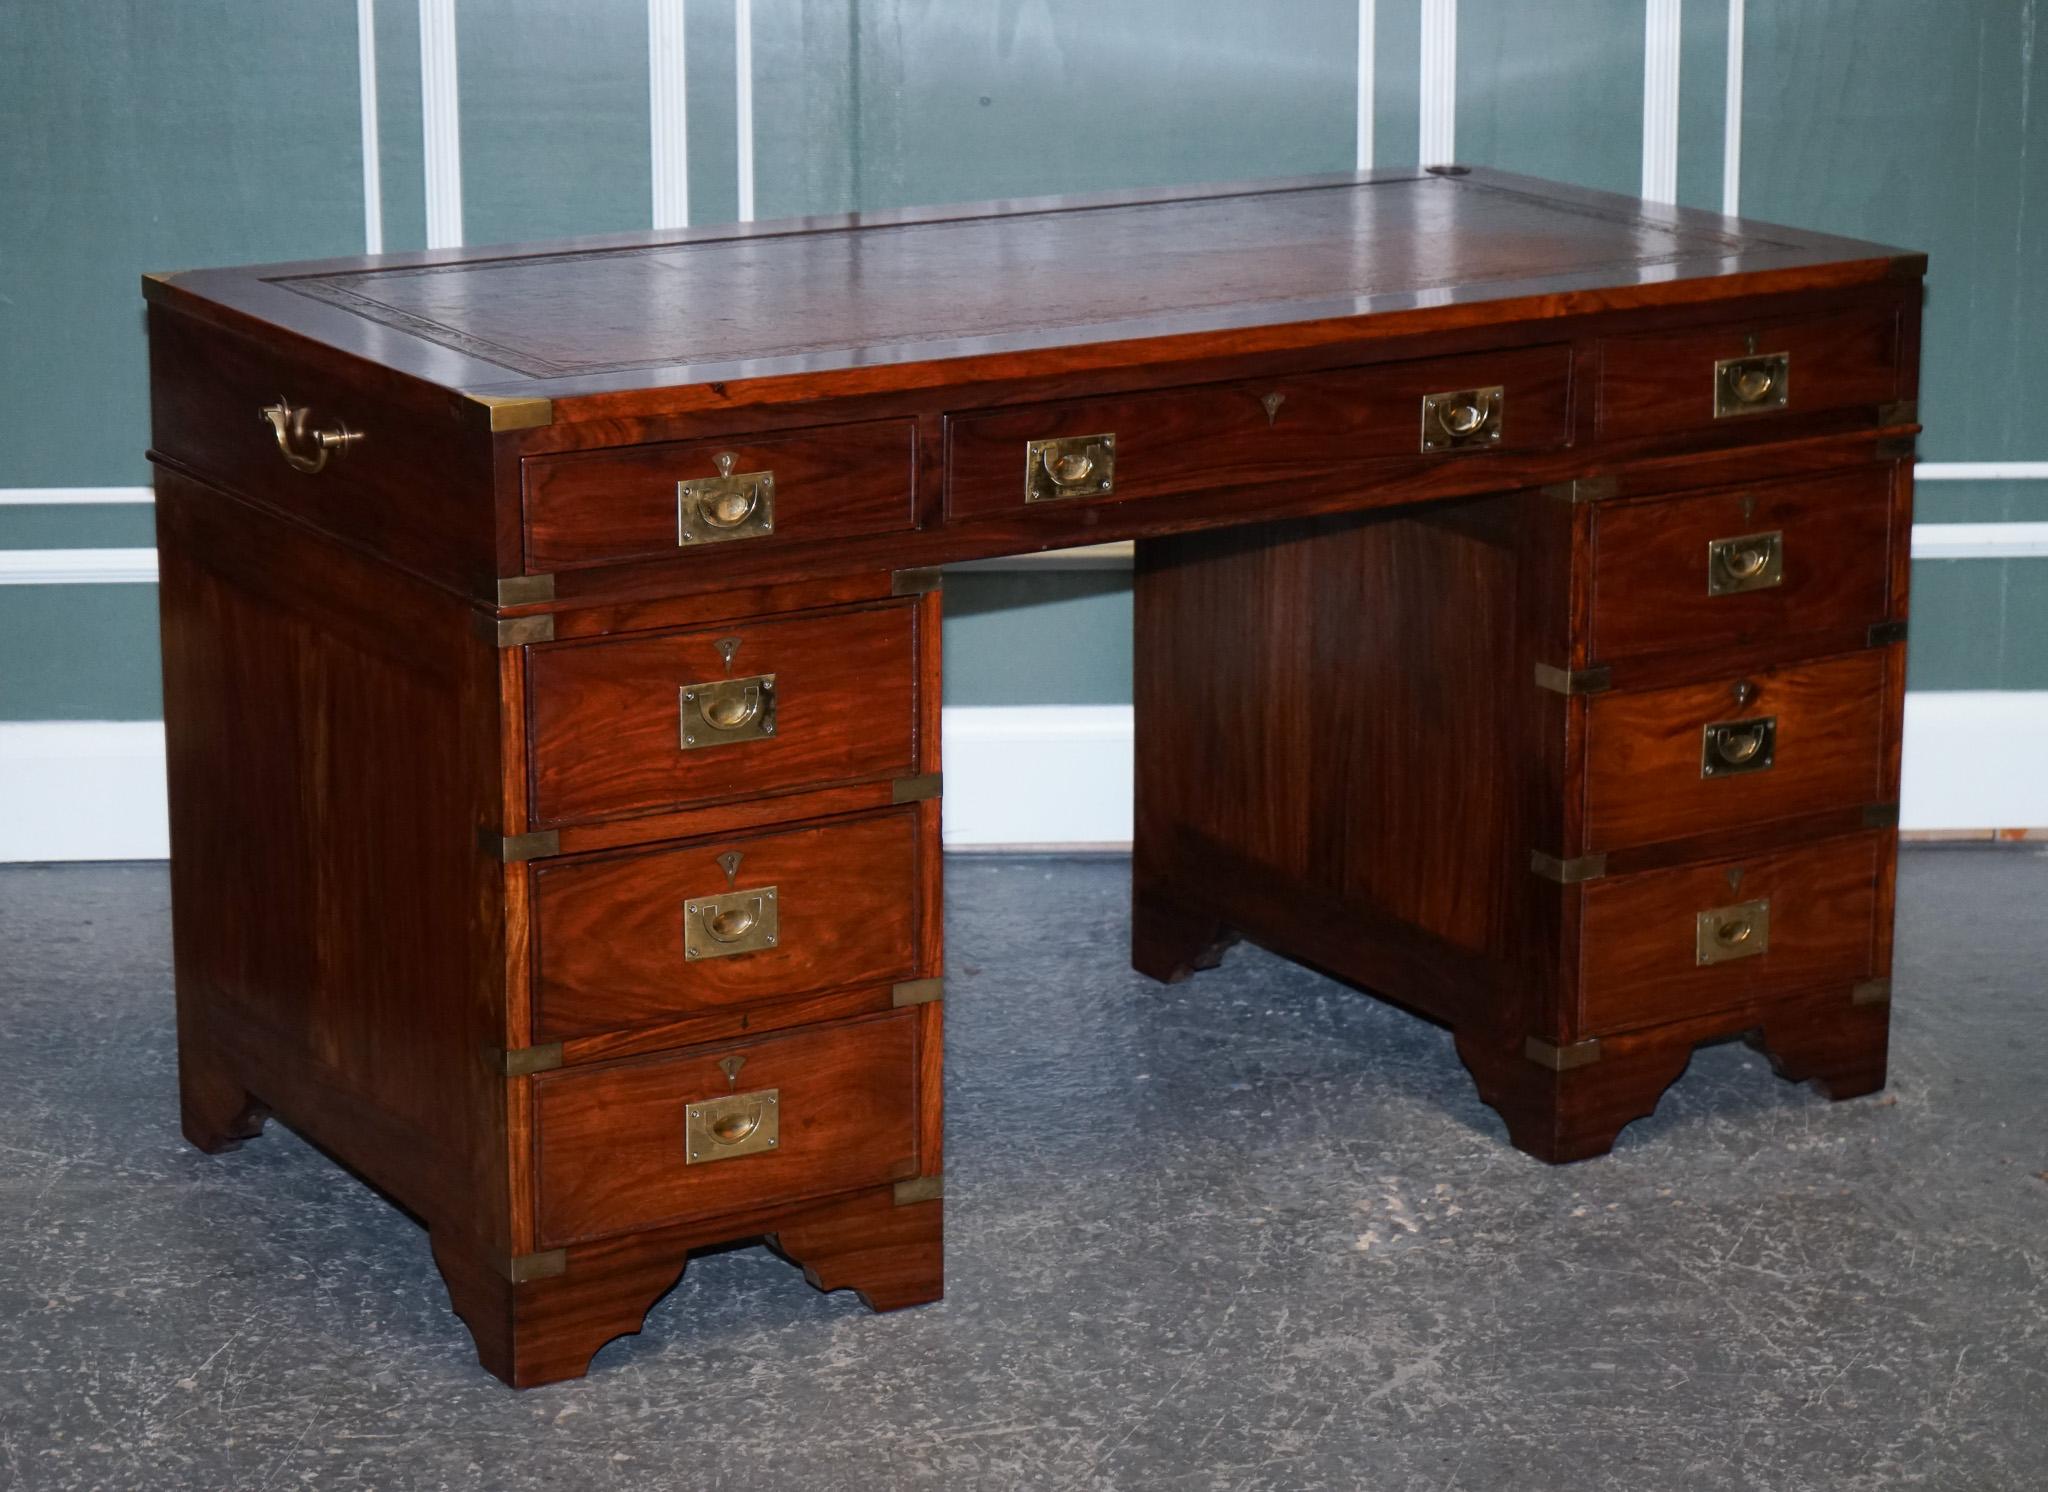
(551, 647)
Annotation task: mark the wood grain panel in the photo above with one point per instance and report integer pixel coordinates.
(1650, 564)
(1644, 751)
(610, 931)
(607, 727)
(1639, 932)
(593, 507)
(610, 1152)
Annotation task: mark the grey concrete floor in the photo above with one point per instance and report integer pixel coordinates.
(1253, 1231)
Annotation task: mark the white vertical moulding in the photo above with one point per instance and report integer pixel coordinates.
(743, 100)
(1367, 18)
(1439, 82)
(373, 165)
(1731, 128)
(668, 113)
(441, 124)
(1660, 100)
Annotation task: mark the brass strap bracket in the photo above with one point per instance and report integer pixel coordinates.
(1871, 992)
(916, 582)
(512, 848)
(512, 632)
(1884, 634)
(524, 590)
(1568, 872)
(521, 1269)
(916, 789)
(1562, 1058)
(920, 1189)
(1584, 489)
(1574, 680)
(524, 1061)
(1899, 412)
(917, 992)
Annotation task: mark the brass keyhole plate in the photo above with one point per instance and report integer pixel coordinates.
(733, 1125)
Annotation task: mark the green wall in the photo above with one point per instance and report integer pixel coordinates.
(150, 134)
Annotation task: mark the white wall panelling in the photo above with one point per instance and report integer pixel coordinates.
(668, 112)
(77, 566)
(1368, 18)
(41, 497)
(441, 123)
(83, 790)
(1731, 119)
(373, 165)
(743, 101)
(1439, 82)
(1660, 100)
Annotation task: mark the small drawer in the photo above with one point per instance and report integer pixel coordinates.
(1747, 371)
(778, 487)
(668, 1139)
(635, 725)
(1742, 566)
(701, 928)
(1701, 758)
(1270, 432)
(1665, 945)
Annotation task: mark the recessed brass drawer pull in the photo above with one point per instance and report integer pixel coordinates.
(731, 923)
(730, 1127)
(305, 449)
(1069, 466)
(724, 712)
(1729, 747)
(1724, 934)
(1753, 384)
(1746, 562)
(710, 510)
(1462, 419)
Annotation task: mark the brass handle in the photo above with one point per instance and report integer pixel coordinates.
(1752, 384)
(1737, 745)
(734, 923)
(1070, 466)
(722, 712)
(1462, 418)
(305, 449)
(1745, 562)
(731, 711)
(746, 921)
(1724, 934)
(730, 505)
(737, 1124)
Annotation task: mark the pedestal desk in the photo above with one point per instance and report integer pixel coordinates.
(551, 657)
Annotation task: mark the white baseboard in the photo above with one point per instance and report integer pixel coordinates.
(1015, 775)
(83, 790)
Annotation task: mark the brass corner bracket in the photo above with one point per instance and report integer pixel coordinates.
(916, 582)
(524, 1061)
(512, 848)
(917, 992)
(920, 1189)
(1568, 872)
(1880, 815)
(524, 590)
(1884, 634)
(1584, 489)
(916, 789)
(1562, 1058)
(1898, 412)
(1871, 992)
(514, 414)
(520, 1269)
(1574, 680)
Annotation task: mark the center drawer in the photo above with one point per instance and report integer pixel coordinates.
(712, 1130)
(694, 929)
(1306, 427)
(638, 724)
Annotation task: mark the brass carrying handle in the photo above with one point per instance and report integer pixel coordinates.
(1733, 931)
(1466, 416)
(734, 923)
(1736, 745)
(1746, 561)
(727, 503)
(305, 449)
(731, 1128)
(1753, 384)
(732, 711)
(1068, 469)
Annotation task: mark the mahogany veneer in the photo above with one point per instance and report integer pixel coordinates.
(551, 647)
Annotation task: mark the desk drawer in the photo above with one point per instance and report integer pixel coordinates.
(1700, 758)
(1811, 912)
(778, 487)
(638, 724)
(1263, 433)
(702, 928)
(1666, 574)
(613, 1144)
(1686, 380)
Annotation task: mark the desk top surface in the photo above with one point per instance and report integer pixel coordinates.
(1009, 283)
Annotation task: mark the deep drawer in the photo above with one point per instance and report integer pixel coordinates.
(706, 927)
(637, 724)
(1813, 911)
(1684, 380)
(1668, 574)
(1268, 432)
(613, 1144)
(1722, 755)
(778, 487)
